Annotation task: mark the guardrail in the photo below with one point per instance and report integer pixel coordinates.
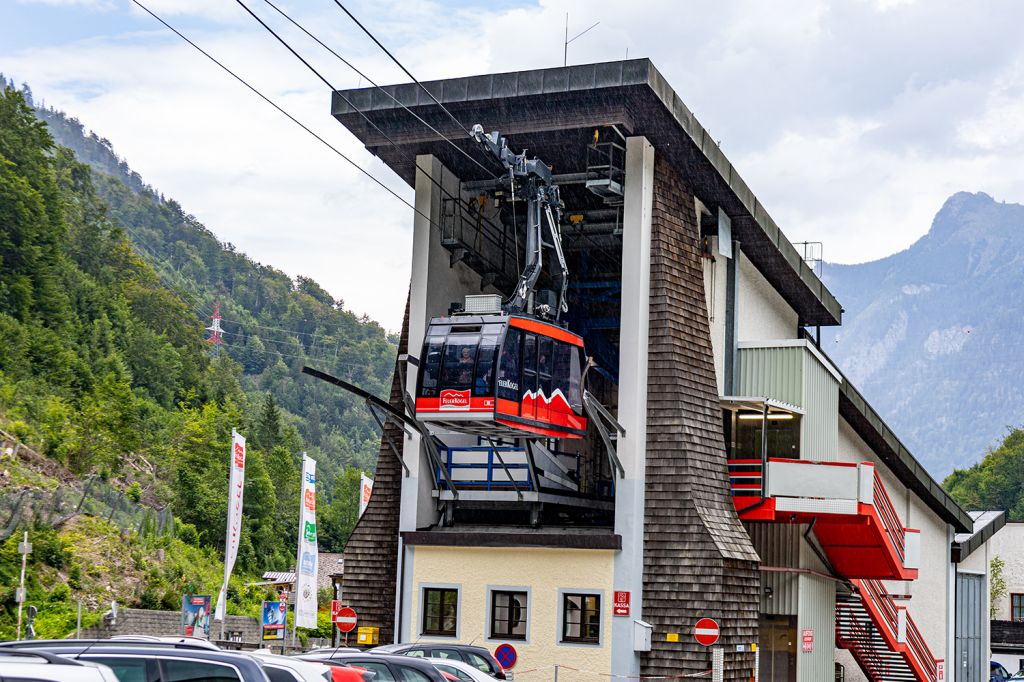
(898, 628)
(486, 468)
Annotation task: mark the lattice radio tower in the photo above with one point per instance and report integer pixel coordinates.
(216, 332)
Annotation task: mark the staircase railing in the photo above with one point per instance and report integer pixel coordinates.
(746, 477)
(890, 521)
(859, 641)
(887, 617)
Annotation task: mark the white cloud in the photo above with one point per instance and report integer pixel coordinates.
(852, 121)
(87, 4)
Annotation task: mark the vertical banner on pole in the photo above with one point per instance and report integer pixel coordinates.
(365, 490)
(306, 560)
(236, 486)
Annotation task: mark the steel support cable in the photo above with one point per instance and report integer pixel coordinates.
(407, 73)
(288, 115)
(382, 89)
(408, 157)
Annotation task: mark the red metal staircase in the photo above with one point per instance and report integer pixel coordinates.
(882, 637)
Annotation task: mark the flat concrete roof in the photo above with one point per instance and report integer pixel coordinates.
(534, 107)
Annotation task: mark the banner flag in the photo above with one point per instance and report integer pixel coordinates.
(365, 490)
(236, 486)
(307, 557)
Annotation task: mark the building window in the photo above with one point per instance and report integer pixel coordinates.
(508, 615)
(581, 618)
(440, 611)
(1017, 607)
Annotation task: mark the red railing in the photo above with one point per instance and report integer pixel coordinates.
(890, 521)
(746, 477)
(859, 641)
(886, 616)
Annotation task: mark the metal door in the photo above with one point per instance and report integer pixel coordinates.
(971, 660)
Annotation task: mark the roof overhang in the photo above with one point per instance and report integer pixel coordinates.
(527, 105)
(754, 404)
(881, 439)
(986, 524)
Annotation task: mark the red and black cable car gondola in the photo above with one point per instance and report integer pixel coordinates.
(502, 376)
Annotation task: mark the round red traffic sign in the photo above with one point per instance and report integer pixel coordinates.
(706, 631)
(506, 655)
(345, 619)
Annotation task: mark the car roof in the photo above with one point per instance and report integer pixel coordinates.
(430, 645)
(367, 656)
(150, 650)
(40, 657)
(125, 640)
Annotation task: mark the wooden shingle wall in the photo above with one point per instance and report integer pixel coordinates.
(371, 553)
(698, 559)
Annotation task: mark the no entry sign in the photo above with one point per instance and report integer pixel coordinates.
(706, 631)
(343, 616)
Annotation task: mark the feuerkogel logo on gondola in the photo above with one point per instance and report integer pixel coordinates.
(454, 400)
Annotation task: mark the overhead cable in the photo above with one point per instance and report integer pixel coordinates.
(380, 88)
(288, 115)
(407, 73)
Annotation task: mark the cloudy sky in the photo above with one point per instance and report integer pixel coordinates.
(852, 121)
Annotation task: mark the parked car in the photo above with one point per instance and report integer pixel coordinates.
(387, 668)
(460, 670)
(997, 673)
(291, 669)
(120, 641)
(29, 666)
(477, 656)
(159, 662)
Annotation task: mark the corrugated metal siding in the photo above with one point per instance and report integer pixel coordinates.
(970, 629)
(819, 429)
(773, 373)
(817, 613)
(778, 545)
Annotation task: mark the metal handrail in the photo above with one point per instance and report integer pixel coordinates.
(890, 520)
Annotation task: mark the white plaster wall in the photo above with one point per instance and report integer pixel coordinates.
(715, 291)
(853, 449)
(931, 593)
(1008, 544)
(763, 313)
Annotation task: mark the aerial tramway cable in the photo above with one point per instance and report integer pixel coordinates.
(407, 73)
(380, 88)
(288, 115)
(406, 155)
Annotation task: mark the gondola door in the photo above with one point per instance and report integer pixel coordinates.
(528, 394)
(510, 378)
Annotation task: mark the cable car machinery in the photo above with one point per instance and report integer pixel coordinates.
(527, 322)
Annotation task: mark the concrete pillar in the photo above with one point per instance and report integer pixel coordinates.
(632, 448)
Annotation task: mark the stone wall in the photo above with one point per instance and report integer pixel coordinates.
(168, 624)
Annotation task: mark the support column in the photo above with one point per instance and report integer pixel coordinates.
(633, 341)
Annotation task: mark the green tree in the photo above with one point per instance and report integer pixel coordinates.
(996, 482)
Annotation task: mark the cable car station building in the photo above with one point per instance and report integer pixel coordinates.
(729, 470)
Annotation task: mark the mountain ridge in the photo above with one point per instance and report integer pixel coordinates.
(928, 332)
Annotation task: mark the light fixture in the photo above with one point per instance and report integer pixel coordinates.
(772, 416)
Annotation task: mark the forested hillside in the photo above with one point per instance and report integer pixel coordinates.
(273, 325)
(105, 289)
